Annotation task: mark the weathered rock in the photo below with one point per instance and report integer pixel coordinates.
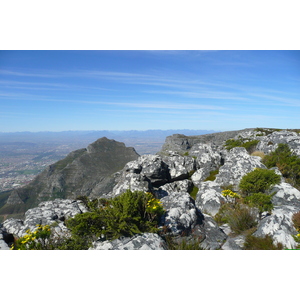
(207, 155)
(237, 164)
(285, 194)
(177, 186)
(270, 142)
(179, 166)
(181, 214)
(47, 213)
(214, 236)
(279, 226)
(180, 143)
(146, 241)
(234, 243)
(209, 198)
(132, 181)
(3, 244)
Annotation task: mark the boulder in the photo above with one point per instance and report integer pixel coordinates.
(179, 166)
(181, 214)
(207, 156)
(270, 142)
(237, 164)
(132, 181)
(234, 243)
(177, 186)
(209, 198)
(285, 194)
(145, 241)
(3, 244)
(47, 213)
(279, 226)
(214, 237)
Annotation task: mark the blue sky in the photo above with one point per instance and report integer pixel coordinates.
(140, 90)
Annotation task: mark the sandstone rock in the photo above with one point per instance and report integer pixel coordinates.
(47, 213)
(214, 236)
(238, 163)
(177, 186)
(279, 226)
(132, 181)
(180, 143)
(234, 243)
(207, 156)
(285, 194)
(179, 166)
(181, 214)
(270, 142)
(146, 241)
(3, 244)
(209, 198)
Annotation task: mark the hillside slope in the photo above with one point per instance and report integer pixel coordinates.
(85, 171)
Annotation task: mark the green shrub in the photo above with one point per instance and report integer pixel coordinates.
(261, 243)
(258, 181)
(232, 143)
(125, 215)
(287, 162)
(250, 146)
(260, 200)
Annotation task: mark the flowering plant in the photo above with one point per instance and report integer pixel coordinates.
(230, 194)
(154, 207)
(33, 240)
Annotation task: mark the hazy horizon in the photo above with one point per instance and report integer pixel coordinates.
(148, 90)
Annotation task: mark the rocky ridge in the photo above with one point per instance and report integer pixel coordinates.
(88, 171)
(172, 175)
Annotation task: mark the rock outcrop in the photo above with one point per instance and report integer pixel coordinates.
(183, 168)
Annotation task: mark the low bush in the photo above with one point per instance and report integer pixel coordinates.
(287, 162)
(258, 181)
(239, 217)
(250, 146)
(261, 243)
(259, 200)
(296, 220)
(125, 215)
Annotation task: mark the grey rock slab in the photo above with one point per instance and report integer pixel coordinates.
(132, 181)
(234, 243)
(47, 213)
(279, 226)
(214, 236)
(177, 186)
(237, 164)
(181, 214)
(179, 166)
(285, 194)
(270, 142)
(145, 241)
(209, 198)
